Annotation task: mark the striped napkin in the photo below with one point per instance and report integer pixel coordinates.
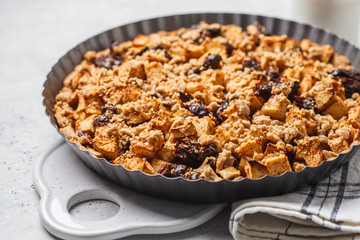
(329, 210)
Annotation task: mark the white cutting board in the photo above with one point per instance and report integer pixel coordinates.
(63, 180)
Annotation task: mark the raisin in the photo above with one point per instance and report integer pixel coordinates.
(212, 61)
(194, 71)
(82, 134)
(345, 73)
(174, 170)
(101, 120)
(219, 117)
(143, 51)
(164, 170)
(167, 55)
(156, 94)
(213, 32)
(351, 86)
(108, 107)
(207, 151)
(113, 44)
(301, 52)
(194, 176)
(187, 152)
(350, 79)
(294, 91)
(199, 109)
(191, 153)
(178, 170)
(159, 96)
(273, 75)
(229, 48)
(306, 103)
(108, 61)
(264, 91)
(118, 57)
(166, 103)
(126, 146)
(158, 47)
(197, 40)
(212, 163)
(251, 63)
(184, 97)
(210, 32)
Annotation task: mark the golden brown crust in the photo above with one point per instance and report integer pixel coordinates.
(214, 102)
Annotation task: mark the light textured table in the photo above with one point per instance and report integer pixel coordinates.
(33, 36)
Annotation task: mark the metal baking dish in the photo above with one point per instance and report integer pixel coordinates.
(199, 190)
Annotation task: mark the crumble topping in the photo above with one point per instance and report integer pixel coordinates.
(212, 101)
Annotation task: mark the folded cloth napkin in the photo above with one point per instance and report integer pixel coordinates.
(329, 210)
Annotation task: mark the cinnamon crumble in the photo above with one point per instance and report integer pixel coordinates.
(212, 101)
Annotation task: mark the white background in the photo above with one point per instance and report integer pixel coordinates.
(33, 36)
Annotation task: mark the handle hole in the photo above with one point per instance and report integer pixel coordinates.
(94, 210)
(93, 206)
